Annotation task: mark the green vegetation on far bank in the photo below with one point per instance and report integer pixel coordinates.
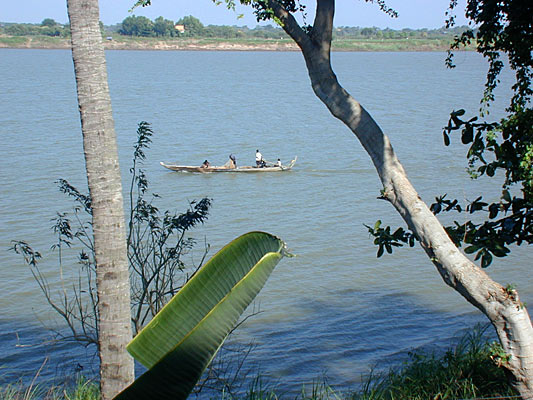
(188, 33)
(390, 45)
(13, 41)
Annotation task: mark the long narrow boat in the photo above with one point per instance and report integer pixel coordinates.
(188, 168)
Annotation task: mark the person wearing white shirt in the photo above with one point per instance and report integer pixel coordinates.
(258, 159)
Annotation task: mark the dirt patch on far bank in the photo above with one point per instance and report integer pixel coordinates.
(57, 43)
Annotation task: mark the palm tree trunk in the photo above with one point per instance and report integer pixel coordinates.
(105, 188)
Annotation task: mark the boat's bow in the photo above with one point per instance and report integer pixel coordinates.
(291, 164)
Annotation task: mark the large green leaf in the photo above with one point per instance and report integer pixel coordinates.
(178, 344)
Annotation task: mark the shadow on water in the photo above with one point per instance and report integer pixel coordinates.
(346, 339)
(30, 346)
(342, 339)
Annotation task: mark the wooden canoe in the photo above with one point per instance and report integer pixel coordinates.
(250, 169)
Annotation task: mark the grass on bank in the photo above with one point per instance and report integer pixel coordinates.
(83, 390)
(391, 45)
(13, 41)
(34, 42)
(465, 371)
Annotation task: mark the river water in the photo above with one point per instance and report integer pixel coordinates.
(335, 309)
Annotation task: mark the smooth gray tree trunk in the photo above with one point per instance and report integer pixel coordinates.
(503, 307)
(105, 188)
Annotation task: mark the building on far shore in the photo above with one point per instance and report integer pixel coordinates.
(180, 28)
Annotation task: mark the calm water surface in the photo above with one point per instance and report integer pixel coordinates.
(335, 309)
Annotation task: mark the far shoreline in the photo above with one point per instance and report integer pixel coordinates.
(211, 44)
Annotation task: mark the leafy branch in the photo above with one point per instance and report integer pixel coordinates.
(385, 240)
(157, 243)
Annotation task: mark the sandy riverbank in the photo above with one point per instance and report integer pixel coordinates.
(150, 44)
(127, 43)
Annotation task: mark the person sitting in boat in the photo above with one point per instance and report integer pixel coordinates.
(232, 163)
(205, 164)
(278, 163)
(259, 162)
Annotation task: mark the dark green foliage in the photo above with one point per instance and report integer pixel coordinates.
(383, 7)
(466, 371)
(491, 237)
(502, 27)
(49, 22)
(47, 28)
(79, 198)
(142, 3)
(385, 240)
(504, 146)
(164, 27)
(264, 13)
(223, 31)
(193, 26)
(30, 256)
(137, 26)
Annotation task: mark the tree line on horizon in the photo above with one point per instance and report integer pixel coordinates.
(190, 27)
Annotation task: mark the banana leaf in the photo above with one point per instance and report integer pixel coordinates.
(181, 340)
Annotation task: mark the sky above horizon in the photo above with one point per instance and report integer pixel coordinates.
(413, 14)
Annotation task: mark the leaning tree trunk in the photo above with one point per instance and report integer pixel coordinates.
(105, 188)
(503, 307)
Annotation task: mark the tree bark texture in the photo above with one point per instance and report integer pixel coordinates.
(105, 188)
(502, 306)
